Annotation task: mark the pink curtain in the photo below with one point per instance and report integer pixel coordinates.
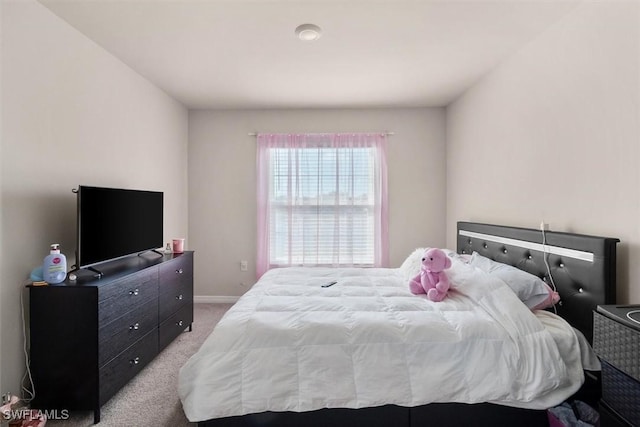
(322, 200)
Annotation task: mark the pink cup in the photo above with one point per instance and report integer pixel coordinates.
(178, 246)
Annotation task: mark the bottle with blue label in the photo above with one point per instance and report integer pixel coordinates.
(54, 269)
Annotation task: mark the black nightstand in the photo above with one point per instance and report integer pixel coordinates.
(616, 340)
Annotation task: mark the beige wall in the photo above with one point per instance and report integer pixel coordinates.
(1, 207)
(553, 133)
(72, 114)
(222, 205)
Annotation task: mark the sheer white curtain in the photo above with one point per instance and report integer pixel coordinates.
(322, 200)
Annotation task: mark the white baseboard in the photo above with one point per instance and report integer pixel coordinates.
(213, 299)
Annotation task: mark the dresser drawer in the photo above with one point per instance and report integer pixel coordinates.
(126, 330)
(621, 393)
(175, 325)
(170, 302)
(115, 374)
(617, 344)
(176, 273)
(123, 295)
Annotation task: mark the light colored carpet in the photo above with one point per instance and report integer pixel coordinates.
(151, 398)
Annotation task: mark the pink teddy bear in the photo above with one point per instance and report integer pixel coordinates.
(432, 279)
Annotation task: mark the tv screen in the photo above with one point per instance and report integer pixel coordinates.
(113, 223)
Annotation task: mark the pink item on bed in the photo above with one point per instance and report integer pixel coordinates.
(432, 279)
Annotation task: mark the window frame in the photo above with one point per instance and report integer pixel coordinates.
(292, 142)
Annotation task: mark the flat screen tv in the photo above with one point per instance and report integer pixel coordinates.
(114, 223)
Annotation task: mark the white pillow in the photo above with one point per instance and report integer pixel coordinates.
(411, 266)
(464, 258)
(531, 290)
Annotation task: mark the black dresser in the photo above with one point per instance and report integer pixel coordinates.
(89, 337)
(616, 341)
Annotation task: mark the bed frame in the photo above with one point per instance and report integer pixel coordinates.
(583, 270)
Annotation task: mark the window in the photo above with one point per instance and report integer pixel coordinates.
(321, 200)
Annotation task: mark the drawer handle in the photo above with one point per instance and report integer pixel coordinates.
(134, 327)
(179, 271)
(179, 323)
(134, 292)
(179, 297)
(134, 361)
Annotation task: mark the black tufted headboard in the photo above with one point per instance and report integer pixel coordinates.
(583, 268)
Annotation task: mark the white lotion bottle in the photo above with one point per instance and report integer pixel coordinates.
(54, 269)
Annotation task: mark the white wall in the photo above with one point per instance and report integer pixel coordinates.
(72, 114)
(554, 133)
(222, 182)
(1, 209)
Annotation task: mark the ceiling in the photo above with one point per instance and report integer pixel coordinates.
(244, 54)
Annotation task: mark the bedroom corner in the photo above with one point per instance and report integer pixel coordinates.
(78, 116)
(561, 120)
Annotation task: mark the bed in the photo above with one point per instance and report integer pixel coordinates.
(364, 351)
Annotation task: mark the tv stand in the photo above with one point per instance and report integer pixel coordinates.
(152, 250)
(90, 336)
(98, 272)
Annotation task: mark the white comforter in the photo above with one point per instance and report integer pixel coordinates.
(291, 345)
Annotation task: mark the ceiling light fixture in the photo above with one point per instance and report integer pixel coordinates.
(308, 32)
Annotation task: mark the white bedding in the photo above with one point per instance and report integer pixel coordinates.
(291, 345)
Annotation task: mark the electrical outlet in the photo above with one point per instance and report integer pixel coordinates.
(244, 265)
(544, 226)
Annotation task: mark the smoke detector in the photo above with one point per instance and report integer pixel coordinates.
(308, 32)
